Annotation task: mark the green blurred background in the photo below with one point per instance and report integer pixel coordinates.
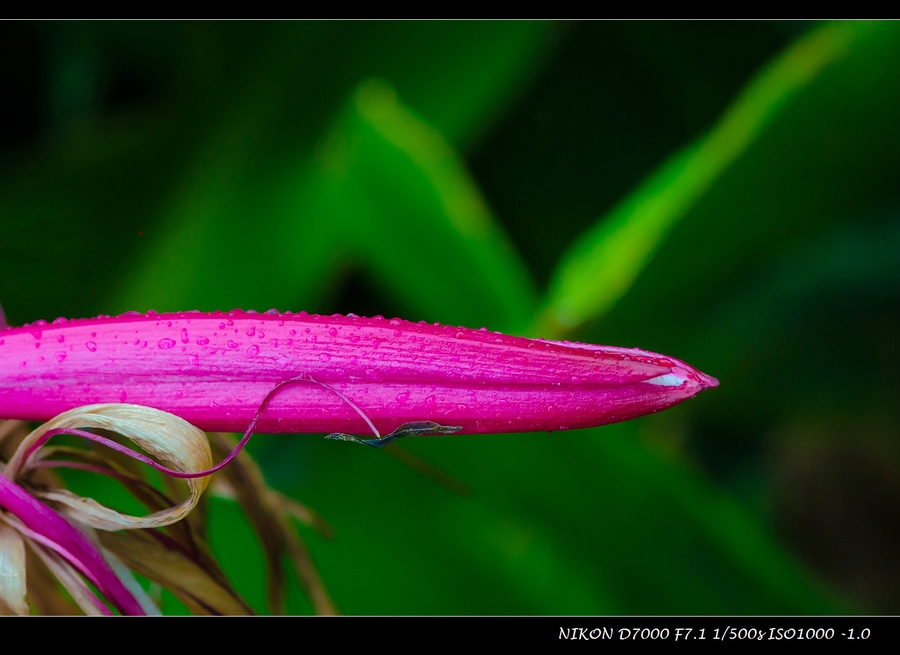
(725, 193)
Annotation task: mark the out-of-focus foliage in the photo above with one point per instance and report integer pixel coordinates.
(726, 193)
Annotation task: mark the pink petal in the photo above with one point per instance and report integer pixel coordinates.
(53, 531)
(214, 370)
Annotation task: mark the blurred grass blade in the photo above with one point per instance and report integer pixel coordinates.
(404, 198)
(602, 265)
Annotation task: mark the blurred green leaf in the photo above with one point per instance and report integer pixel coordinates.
(386, 191)
(193, 191)
(829, 159)
(603, 264)
(588, 522)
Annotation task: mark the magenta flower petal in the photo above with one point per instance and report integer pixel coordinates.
(214, 370)
(53, 531)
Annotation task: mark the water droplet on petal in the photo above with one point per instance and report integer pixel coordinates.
(332, 332)
(122, 395)
(403, 397)
(232, 344)
(165, 344)
(202, 341)
(253, 350)
(251, 331)
(91, 346)
(184, 335)
(324, 357)
(60, 357)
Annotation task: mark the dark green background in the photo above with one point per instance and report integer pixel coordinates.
(445, 171)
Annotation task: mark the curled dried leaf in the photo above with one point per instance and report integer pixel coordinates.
(170, 439)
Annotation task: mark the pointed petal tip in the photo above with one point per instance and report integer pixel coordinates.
(707, 381)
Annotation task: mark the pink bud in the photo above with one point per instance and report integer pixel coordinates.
(214, 370)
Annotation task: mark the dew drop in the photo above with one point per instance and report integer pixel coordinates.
(37, 334)
(232, 344)
(395, 321)
(260, 334)
(332, 332)
(195, 360)
(37, 345)
(403, 397)
(60, 338)
(353, 360)
(430, 401)
(165, 344)
(60, 357)
(251, 331)
(122, 395)
(354, 339)
(253, 350)
(221, 326)
(91, 346)
(324, 357)
(202, 341)
(184, 335)
(143, 344)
